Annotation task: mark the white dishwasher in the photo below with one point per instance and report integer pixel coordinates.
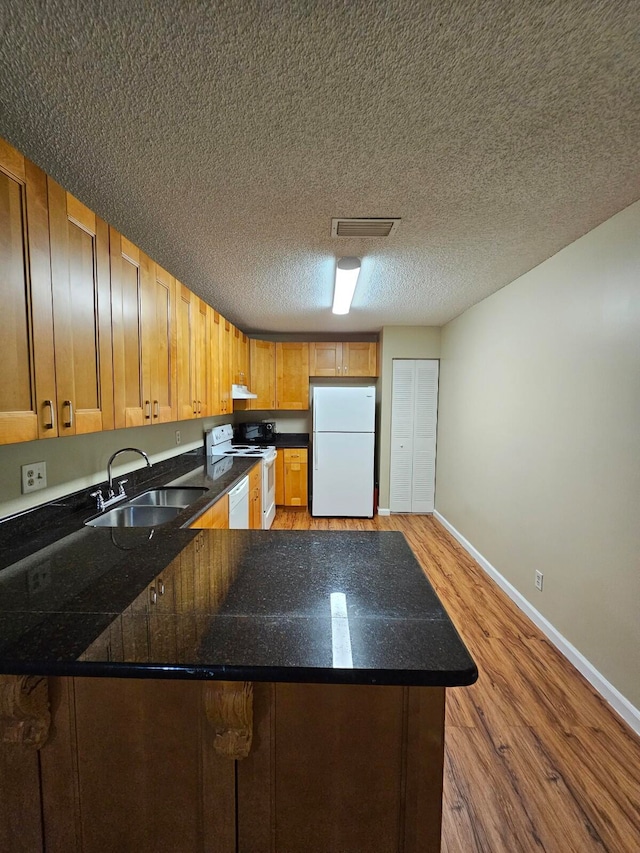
(239, 506)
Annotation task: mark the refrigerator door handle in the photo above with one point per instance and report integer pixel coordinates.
(315, 455)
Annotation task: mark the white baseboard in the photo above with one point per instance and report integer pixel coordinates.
(382, 511)
(629, 713)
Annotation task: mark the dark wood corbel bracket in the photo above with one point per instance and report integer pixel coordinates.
(229, 709)
(24, 710)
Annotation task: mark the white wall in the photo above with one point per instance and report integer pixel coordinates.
(539, 441)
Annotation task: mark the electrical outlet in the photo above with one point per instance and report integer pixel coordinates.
(539, 580)
(39, 578)
(34, 477)
(178, 437)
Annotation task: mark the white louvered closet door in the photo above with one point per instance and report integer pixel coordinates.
(413, 435)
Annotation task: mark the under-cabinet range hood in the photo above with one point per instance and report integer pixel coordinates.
(241, 392)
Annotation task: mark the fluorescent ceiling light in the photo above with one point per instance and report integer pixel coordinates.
(347, 272)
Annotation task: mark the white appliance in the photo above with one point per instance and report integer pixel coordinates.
(239, 506)
(343, 451)
(219, 443)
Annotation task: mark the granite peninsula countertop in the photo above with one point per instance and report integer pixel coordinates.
(248, 605)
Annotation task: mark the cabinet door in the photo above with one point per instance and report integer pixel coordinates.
(279, 478)
(185, 310)
(262, 358)
(255, 497)
(163, 635)
(240, 358)
(27, 379)
(292, 375)
(81, 315)
(214, 360)
(295, 477)
(325, 358)
(159, 345)
(129, 266)
(202, 343)
(224, 361)
(214, 518)
(359, 359)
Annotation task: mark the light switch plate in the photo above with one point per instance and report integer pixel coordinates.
(34, 477)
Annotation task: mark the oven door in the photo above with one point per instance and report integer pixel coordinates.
(268, 490)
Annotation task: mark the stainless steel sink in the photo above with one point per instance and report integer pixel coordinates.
(170, 497)
(129, 515)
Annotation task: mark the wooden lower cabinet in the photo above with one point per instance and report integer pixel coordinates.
(255, 497)
(292, 477)
(214, 518)
(133, 765)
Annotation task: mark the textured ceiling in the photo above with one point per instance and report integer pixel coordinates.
(222, 137)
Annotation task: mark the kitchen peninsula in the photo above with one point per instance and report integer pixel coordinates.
(223, 690)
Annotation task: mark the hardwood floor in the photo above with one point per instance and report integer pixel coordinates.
(535, 760)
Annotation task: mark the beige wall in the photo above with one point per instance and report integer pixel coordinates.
(397, 342)
(539, 440)
(80, 461)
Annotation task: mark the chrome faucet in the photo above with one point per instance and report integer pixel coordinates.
(112, 498)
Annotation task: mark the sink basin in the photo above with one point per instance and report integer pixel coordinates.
(130, 515)
(168, 497)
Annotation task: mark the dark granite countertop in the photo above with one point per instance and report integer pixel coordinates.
(239, 605)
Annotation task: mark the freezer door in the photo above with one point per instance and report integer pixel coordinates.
(345, 409)
(342, 474)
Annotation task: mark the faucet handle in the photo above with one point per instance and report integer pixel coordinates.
(99, 499)
(121, 483)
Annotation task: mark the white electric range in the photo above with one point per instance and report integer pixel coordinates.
(219, 444)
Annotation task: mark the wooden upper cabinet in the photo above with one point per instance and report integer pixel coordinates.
(263, 376)
(82, 310)
(359, 359)
(225, 349)
(186, 324)
(203, 362)
(349, 358)
(159, 345)
(292, 375)
(214, 361)
(129, 268)
(325, 358)
(240, 360)
(27, 380)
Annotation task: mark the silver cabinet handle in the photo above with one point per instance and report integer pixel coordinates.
(199, 407)
(161, 587)
(147, 409)
(52, 414)
(156, 408)
(345, 369)
(195, 410)
(153, 595)
(338, 368)
(68, 405)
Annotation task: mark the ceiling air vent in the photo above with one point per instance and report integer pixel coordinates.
(372, 227)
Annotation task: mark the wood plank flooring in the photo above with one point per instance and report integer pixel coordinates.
(535, 760)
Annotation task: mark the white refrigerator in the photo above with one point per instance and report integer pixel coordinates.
(343, 451)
